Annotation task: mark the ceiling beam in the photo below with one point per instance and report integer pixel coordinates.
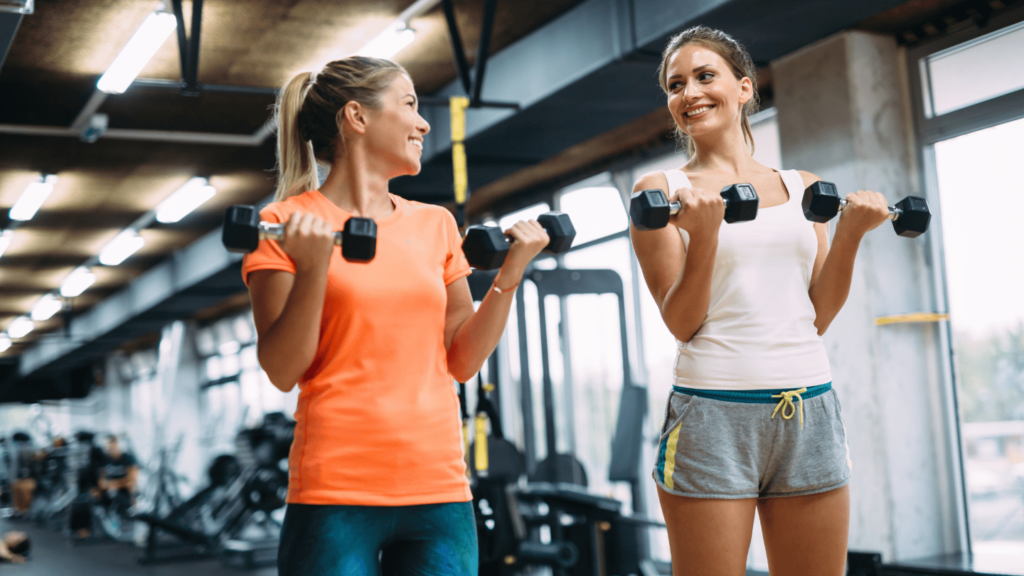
(8, 28)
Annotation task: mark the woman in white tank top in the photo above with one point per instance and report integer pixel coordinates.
(752, 421)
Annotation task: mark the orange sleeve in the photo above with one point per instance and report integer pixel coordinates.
(455, 265)
(269, 255)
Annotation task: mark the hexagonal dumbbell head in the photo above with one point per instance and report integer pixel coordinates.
(241, 229)
(914, 217)
(742, 203)
(485, 247)
(821, 202)
(559, 227)
(649, 210)
(359, 239)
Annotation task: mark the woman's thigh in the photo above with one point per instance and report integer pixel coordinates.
(806, 535)
(708, 536)
(433, 540)
(333, 540)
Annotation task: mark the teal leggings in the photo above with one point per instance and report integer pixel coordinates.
(426, 540)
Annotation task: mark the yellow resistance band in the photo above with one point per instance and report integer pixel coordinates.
(458, 105)
(787, 406)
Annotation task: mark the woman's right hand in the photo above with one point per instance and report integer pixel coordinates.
(702, 211)
(309, 240)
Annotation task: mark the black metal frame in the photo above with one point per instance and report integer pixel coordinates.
(473, 85)
(188, 47)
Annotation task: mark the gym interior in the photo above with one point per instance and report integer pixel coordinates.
(129, 129)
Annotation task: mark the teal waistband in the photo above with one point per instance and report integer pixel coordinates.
(752, 396)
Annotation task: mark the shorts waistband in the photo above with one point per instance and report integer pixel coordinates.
(753, 396)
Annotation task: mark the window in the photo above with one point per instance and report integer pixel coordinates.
(974, 71)
(981, 200)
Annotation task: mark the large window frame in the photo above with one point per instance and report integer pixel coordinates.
(929, 130)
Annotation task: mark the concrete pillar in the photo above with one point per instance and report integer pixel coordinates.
(844, 114)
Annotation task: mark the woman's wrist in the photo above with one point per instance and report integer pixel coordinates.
(507, 280)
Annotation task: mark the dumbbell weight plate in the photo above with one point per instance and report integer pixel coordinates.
(486, 247)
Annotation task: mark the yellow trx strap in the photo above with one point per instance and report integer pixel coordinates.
(458, 105)
(787, 407)
(481, 445)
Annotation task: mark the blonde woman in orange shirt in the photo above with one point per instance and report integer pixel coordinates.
(377, 481)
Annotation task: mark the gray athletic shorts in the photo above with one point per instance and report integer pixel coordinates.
(752, 444)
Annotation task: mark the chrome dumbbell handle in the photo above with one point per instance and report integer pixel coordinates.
(272, 231)
(894, 213)
(676, 206)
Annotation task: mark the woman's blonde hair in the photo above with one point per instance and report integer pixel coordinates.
(733, 53)
(308, 113)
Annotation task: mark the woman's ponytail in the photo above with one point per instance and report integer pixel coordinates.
(296, 164)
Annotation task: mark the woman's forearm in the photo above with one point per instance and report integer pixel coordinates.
(686, 304)
(289, 345)
(479, 335)
(831, 288)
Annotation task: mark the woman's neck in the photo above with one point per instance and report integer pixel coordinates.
(722, 153)
(358, 186)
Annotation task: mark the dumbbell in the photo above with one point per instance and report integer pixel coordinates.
(243, 231)
(910, 217)
(650, 210)
(486, 246)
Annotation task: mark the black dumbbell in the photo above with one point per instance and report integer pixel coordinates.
(243, 231)
(910, 217)
(486, 246)
(650, 210)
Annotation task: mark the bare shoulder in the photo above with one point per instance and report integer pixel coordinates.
(808, 177)
(652, 180)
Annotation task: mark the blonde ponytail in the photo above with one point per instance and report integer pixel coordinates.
(296, 163)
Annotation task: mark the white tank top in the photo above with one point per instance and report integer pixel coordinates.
(759, 332)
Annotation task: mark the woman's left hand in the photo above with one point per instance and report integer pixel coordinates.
(528, 239)
(864, 211)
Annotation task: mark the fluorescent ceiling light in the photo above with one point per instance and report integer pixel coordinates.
(389, 42)
(137, 52)
(17, 7)
(77, 282)
(46, 307)
(5, 342)
(32, 198)
(121, 247)
(184, 200)
(5, 240)
(20, 327)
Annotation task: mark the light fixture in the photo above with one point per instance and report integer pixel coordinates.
(389, 42)
(121, 247)
(5, 240)
(5, 342)
(32, 198)
(77, 282)
(46, 307)
(137, 52)
(184, 200)
(20, 327)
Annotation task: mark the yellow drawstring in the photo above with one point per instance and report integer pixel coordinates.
(786, 404)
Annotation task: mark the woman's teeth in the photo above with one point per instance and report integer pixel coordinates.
(699, 111)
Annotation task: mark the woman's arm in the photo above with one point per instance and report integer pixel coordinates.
(470, 337)
(286, 307)
(679, 278)
(833, 265)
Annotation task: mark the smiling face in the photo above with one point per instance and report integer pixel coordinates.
(704, 95)
(395, 130)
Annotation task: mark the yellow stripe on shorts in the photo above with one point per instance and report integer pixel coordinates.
(670, 456)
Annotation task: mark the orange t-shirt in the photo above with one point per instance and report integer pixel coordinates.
(377, 422)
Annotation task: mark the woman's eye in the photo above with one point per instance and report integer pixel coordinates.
(705, 76)
(674, 86)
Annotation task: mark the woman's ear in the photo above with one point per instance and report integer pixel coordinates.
(746, 90)
(353, 115)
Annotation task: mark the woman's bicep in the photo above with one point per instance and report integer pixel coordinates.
(458, 310)
(268, 291)
(661, 256)
(821, 233)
